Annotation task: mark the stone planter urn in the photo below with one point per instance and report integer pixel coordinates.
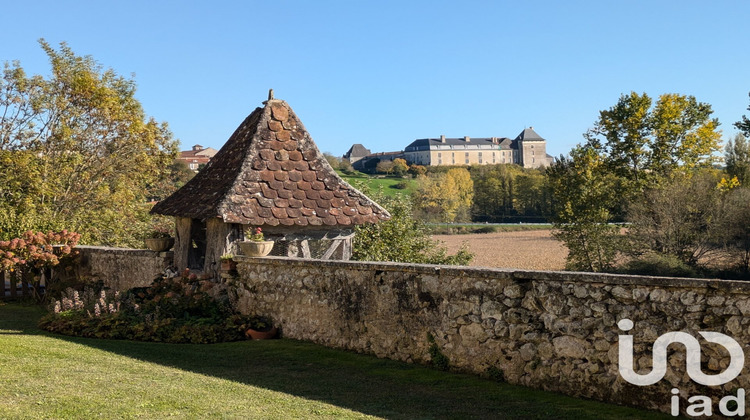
(264, 334)
(256, 248)
(159, 244)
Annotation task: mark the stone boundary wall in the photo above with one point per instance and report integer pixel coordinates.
(549, 330)
(122, 268)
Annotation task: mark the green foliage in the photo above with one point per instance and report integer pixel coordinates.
(655, 264)
(509, 192)
(584, 194)
(677, 218)
(737, 158)
(77, 151)
(744, 124)
(532, 196)
(460, 229)
(332, 160)
(403, 238)
(437, 358)
(173, 310)
(495, 374)
(494, 191)
(634, 149)
(733, 229)
(642, 144)
(177, 174)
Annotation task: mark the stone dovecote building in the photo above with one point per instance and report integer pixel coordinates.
(269, 174)
(528, 149)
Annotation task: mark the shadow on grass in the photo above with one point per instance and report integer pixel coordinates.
(357, 382)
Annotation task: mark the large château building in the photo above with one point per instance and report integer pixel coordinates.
(528, 149)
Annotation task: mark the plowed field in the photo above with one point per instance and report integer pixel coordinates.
(529, 250)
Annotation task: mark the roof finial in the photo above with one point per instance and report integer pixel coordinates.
(270, 94)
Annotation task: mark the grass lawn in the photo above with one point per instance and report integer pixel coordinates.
(47, 376)
(387, 184)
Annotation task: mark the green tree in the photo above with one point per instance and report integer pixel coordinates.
(78, 152)
(744, 124)
(677, 218)
(737, 158)
(532, 196)
(643, 144)
(177, 174)
(493, 192)
(403, 238)
(734, 227)
(334, 161)
(583, 194)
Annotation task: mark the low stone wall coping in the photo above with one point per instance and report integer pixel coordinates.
(124, 251)
(517, 275)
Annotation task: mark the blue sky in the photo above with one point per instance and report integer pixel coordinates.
(383, 73)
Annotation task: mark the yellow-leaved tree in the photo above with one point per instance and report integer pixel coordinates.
(77, 151)
(446, 197)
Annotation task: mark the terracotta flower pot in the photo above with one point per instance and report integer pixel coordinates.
(159, 244)
(228, 265)
(261, 335)
(256, 248)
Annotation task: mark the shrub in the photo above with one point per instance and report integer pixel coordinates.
(437, 358)
(173, 310)
(401, 185)
(653, 264)
(486, 229)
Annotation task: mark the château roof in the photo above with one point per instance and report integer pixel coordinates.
(271, 173)
(482, 142)
(528, 134)
(357, 150)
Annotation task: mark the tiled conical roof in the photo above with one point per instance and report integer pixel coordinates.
(270, 173)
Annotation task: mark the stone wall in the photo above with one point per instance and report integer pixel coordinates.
(122, 268)
(549, 330)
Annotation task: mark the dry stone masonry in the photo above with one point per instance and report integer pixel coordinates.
(548, 330)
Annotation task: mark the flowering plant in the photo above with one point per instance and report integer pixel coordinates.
(255, 235)
(160, 232)
(36, 250)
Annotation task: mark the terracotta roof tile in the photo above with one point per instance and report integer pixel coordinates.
(283, 136)
(308, 176)
(270, 173)
(279, 213)
(275, 126)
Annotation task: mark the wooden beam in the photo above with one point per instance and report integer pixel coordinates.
(331, 249)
